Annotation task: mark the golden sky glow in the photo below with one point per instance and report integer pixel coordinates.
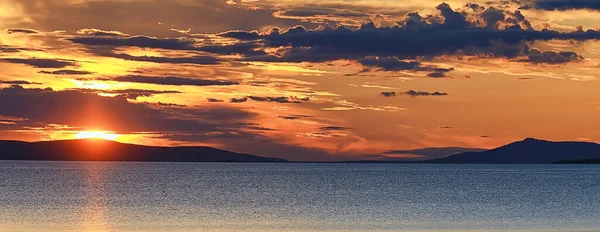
(253, 82)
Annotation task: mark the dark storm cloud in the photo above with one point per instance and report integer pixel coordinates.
(21, 30)
(80, 109)
(414, 93)
(563, 5)
(66, 72)
(170, 80)
(130, 93)
(492, 33)
(19, 82)
(41, 63)
(479, 31)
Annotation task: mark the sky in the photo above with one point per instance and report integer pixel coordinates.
(323, 80)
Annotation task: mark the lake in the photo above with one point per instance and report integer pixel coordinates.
(113, 196)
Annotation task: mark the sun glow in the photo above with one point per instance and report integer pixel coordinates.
(108, 135)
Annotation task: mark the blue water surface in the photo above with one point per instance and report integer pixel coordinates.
(118, 196)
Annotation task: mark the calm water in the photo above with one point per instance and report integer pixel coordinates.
(88, 196)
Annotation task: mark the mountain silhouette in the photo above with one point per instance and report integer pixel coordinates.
(529, 151)
(583, 161)
(105, 150)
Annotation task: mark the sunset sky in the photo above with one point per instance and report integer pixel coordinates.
(302, 80)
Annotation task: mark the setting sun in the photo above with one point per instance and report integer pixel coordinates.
(108, 135)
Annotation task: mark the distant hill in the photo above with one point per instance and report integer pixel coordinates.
(529, 151)
(585, 161)
(104, 150)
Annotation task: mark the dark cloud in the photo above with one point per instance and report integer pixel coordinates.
(437, 74)
(484, 33)
(19, 89)
(241, 35)
(414, 93)
(246, 49)
(170, 80)
(19, 82)
(108, 46)
(130, 93)
(98, 32)
(563, 5)
(295, 117)
(199, 59)
(137, 41)
(66, 72)
(213, 100)
(394, 64)
(270, 99)
(480, 32)
(279, 99)
(41, 63)
(334, 128)
(10, 49)
(82, 109)
(254, 127)
(21, 30)
(550, 57)
(238, 100)
(388, 94)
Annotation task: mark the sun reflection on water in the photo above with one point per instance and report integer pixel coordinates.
(94, 215)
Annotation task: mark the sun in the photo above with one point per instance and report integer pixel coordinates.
(107, 135)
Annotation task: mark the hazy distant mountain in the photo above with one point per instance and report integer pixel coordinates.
(529, 151)
(104, 150)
